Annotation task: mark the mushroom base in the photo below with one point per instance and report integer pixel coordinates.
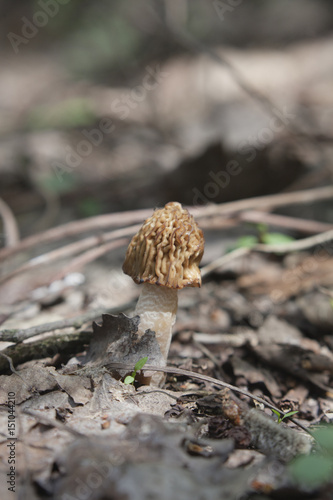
(157, 308)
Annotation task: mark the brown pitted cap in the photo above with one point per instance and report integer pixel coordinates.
(167, 249)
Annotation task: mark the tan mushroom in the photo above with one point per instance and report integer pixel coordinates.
(164, 257)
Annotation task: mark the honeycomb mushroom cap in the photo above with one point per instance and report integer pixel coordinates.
(167, 249)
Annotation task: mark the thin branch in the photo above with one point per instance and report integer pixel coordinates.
(258, 97)
(193, 45)
(70, 229)
(10, 362)
(90, 256)
(119, 219)
(282, 248)
(76, 322)
(302, 225)
(66, 343)
(207, 352)
(70, 250)
(223, 260)
(265, 202)
(11, 366)
(11, 231)
(293, 246)
(204, 378)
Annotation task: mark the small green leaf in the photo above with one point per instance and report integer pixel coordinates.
(129, 379)
(277, 413)
(276, 238)
(289, 414)
(140, 364)
(245, 242)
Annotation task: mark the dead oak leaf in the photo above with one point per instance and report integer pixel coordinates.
(28, 382)
(116, 341)
(76, 386)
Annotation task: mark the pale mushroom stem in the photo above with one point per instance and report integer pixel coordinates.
(157, 308)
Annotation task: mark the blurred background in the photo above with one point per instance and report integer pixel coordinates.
(110, 106)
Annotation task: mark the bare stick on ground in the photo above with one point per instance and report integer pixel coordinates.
(77, 322)
(123, 218)
(11, 231)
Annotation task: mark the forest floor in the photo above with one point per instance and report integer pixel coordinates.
(262, 321)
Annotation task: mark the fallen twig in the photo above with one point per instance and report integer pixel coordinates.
(10, 362)
(302, 225)
(76, 322)
(281, 248)
(119, 219)
(193, 45)
(89, 256)
(223, 260)
(11, 231)
(267, 202)
(45, 348)
(293, 246)
(98, 223)
(205, 378)
(71, 249)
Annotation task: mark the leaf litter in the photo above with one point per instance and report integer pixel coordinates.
(148, 444)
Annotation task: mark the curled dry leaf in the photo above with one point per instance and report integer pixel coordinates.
(116, 340)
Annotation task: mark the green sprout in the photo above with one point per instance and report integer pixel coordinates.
(138, 366)
(282, 416)
(263, 236)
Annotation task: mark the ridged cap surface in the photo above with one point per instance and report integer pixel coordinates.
(167, 249)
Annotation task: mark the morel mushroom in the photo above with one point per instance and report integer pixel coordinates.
(164, 257)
